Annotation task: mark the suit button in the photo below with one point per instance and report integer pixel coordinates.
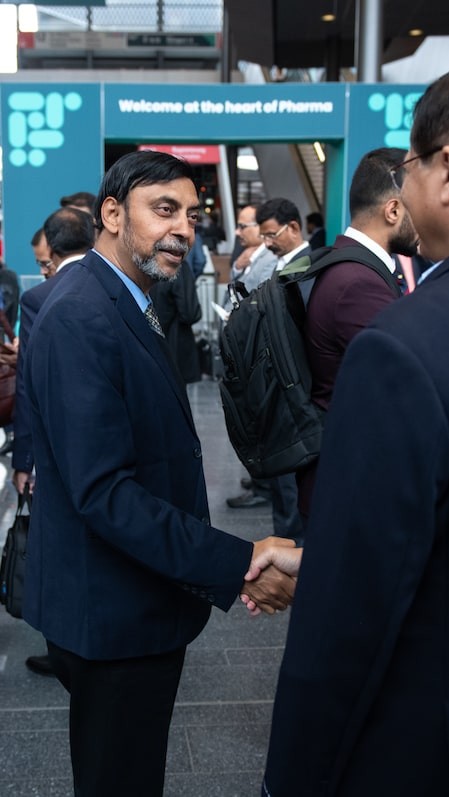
(197, 452)
(211, 598)
(206, 520)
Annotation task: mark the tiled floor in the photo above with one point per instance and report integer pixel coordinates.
(220, 727)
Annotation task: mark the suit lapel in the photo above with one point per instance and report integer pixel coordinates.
(135, 320)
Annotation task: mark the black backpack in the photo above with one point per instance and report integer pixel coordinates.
(272, 423)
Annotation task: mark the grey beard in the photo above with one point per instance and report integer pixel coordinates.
(150, 267)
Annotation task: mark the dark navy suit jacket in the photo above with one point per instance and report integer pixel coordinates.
(30, 303)
(362, 703)
(121, 560)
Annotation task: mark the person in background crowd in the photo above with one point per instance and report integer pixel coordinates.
(347, 296)
(42, 256)
(83, 200)
(9, 304)
(315, 230)
(178, 307)
(68, 233)
(196, 257)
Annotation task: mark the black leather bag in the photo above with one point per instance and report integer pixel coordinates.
(12, 567)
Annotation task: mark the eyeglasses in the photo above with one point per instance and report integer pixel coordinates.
(397, 173)
(45, 265)
(270, 236)
(241, 226)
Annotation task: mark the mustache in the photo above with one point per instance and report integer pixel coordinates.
(175, 247)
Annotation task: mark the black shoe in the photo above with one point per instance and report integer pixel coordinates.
(247, 501)
(7, 446)
(247, 484)
(40, 665)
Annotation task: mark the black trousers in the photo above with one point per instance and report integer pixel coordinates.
(120, 714)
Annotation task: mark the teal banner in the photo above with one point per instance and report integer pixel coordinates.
(54, 135)
(379, 115)
(223, 112)
(52, 146)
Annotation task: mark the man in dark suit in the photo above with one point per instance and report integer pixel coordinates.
(348, 295)
(362, 706)
(68, 234)
(122, 563)
(316, 231)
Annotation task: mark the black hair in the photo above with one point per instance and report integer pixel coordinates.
(36, 239)
(283, 210)
(79, 200)
(69, 231)
(372, 182)
(139, 168)
(431, 117)
(315, 218)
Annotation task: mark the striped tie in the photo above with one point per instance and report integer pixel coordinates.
(151, 316)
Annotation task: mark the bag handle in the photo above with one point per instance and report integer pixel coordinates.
(24, 500)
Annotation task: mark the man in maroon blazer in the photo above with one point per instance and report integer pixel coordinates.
(347, 296)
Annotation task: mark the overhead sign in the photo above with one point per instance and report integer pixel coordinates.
(194, 153)
(220, 112)
(172, 40)
(54, 135)
(74, 40)
(111, 40)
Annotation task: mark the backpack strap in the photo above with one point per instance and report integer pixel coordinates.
(298, 270)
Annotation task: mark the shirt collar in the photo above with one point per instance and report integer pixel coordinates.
(374, 247)
(428, 271)
(71, 259)
(260, 249)
(284, 259)
(136, 292)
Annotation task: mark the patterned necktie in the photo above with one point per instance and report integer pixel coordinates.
(151, 316)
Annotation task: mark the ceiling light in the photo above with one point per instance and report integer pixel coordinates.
(8, 38)
(28, 21)
(328, 18)
(319, 151)
(248, 162)
(416, 32)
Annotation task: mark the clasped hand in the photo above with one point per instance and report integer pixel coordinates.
(271, 579)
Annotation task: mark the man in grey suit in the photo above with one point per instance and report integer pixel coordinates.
(256, 263)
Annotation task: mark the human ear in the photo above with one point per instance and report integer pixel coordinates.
(445, 174)
(110, 214)
(392, 210)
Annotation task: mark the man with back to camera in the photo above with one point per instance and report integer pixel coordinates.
(361, 705)
(280, 229)
(68, 234)
(348, 295)
(83, 200)
(254, 264)
(315, 230)
(123, 565)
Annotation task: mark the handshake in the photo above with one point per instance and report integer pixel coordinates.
(270, 582)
